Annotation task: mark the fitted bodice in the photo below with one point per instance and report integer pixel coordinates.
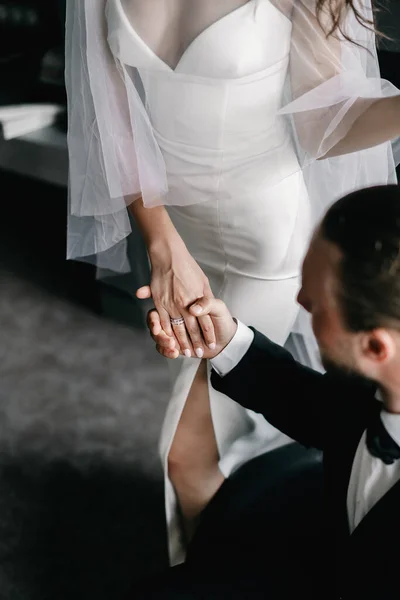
(217, 110)
(247, 40)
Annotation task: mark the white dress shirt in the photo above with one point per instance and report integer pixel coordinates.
(233, 353)
(370, 478)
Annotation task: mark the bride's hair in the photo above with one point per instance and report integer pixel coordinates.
(336, 11)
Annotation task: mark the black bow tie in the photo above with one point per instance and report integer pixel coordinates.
(380, 443)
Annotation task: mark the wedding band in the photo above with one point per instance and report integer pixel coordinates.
(179, 321)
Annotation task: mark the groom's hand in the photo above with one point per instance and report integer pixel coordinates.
(224, 327)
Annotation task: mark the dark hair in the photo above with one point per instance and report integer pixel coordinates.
(337, 11)
(365, 226)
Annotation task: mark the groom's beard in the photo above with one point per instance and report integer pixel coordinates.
(333, 367)
(341, 370)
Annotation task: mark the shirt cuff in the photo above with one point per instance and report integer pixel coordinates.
(233, 353)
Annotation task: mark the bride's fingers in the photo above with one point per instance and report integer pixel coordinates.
(182, 337)
(207, 291)
(194, 331)
(207, 328)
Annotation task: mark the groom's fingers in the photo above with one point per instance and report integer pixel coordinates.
(209, 306)
(165, 341)
(154, 322)
(171, 353)
(162, 340)
(158, 334)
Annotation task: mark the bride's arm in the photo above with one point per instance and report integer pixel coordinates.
(114, 163)
(338, 102)
(378, 124)
(155, 225)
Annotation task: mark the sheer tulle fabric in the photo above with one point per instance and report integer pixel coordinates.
(114, 157)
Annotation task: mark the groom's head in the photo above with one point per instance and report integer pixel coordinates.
(351, 283)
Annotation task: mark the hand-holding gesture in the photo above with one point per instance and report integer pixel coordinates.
(177, 281)
(224, 327)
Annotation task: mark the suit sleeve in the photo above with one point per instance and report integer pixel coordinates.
(290, 396)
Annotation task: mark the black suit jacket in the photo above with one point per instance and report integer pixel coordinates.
(330, 413)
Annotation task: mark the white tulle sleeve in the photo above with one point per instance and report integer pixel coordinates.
(107, 123)
(333, 81)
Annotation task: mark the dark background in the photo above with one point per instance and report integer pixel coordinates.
(81, 397)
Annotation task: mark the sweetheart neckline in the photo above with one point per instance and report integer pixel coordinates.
(193, 43)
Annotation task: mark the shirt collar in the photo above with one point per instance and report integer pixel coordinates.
(391, 422)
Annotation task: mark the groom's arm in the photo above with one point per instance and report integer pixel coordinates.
(265, 378)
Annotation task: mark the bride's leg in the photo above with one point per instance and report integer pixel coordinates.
(193, 457)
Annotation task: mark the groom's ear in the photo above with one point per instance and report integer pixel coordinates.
(378, 346)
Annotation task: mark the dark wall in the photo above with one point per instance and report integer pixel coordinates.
(388, 20)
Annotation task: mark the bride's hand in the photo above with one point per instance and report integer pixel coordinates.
(225, 327)
(177, 282)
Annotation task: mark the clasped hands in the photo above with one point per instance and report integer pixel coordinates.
(223, 328)
(187, 319)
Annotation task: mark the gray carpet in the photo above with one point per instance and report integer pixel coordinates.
(81, 405)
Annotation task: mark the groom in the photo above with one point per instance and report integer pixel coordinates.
(351, 288)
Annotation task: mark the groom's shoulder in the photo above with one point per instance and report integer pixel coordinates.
(339, 382)
(352, 396)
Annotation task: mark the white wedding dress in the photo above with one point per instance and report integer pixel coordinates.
(214, 118)
(234, 189)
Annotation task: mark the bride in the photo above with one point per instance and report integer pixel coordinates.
(225, 127)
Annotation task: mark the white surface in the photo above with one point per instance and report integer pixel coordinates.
(41, 154)
(19, 120)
